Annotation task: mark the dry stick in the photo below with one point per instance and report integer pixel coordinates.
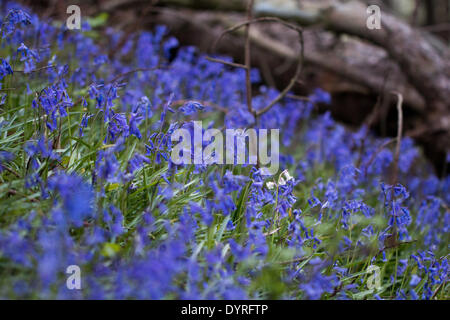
(393, 246)
(10, 170)
(271, 232)
(248, 83)
(295, 97)
(36, 70)
(438, 288)
(300, 59)
(380, 148)
(134, 71)
(15, 192)
(301, 259)
(399, 135)
(370, 119)
(247, 65)
(392, 239)
(298, 71)
(231, 64)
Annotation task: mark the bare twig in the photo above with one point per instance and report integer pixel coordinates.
(380, 148)
(15, 192)
(247, 63)
(271, 232)
(295, 97)
(370, 119)
(247, 66)
(36, 70)
(122, 75)
(393, 246)
(231, 64)
(301, 259)
(10, 170)
(248, 83)
(399, 136)
(438, 289)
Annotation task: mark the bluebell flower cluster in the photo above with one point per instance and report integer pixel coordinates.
(86, 179)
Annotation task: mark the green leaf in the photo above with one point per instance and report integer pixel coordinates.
(110, 249)
(98, 21)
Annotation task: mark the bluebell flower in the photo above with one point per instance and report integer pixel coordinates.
(84, 123)
(29, 57)
(320, 95)
(135, 119)
(414, 280)
(137, 162)
(5, 69)
(77, 196)
(14, 18)
(5, 157)
(191, 107)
